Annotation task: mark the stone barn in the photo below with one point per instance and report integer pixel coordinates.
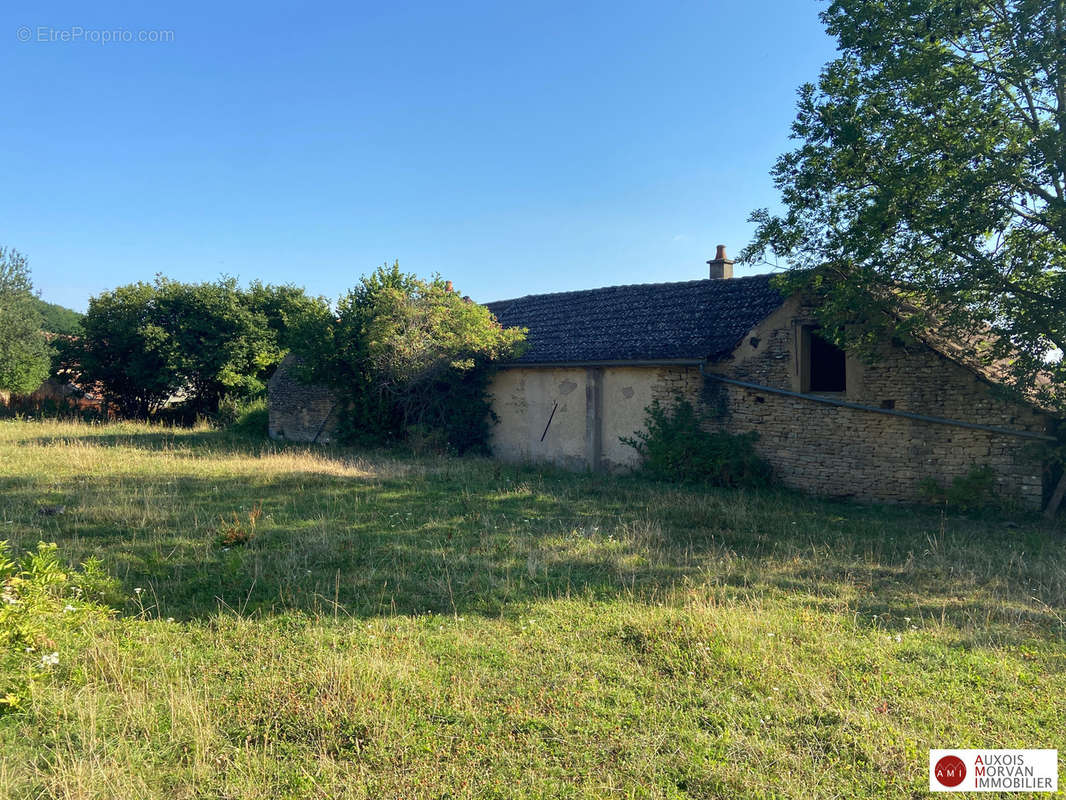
(828, 423)
(299, 412)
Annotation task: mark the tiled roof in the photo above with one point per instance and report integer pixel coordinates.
(642, 322)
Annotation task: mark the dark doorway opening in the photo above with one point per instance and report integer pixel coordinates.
(828, 366)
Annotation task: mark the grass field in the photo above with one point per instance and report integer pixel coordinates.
(399, 627)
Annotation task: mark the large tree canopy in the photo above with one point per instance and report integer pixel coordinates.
(24, 352)
(929, 185)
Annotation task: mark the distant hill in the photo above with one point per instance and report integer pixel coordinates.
(58, 319)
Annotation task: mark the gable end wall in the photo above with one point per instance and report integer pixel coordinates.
(846, 452)
(299, 412)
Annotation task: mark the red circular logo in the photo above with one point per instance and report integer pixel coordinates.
(949, 771)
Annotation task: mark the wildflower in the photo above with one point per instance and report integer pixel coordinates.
(899, 638)
(770, 635)
(138, 590)
(170, 619)
(68, 607)
(49, 659)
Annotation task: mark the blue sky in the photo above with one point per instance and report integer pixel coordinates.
(514, 148)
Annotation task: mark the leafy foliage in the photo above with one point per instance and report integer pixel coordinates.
(124, 349)
(929, 184)
(44, 607)
(218, 344)
(675, 447)
(24, 352)
(145, 343)
(246, 416)
(976, 490)
(408, 356)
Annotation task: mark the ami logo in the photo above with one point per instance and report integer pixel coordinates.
(1029, 770)
(950, 771)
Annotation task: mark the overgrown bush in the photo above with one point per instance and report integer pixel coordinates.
(974, 491)
(411, 360)
(146, 343)
(44, 612)
(675, 447)
(248, 417)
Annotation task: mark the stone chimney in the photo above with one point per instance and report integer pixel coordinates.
(721, 266)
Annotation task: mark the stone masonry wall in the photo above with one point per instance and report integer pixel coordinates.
(299, 412)
(845, 452)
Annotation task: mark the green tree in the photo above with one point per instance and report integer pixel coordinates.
(146, 343)
(125, 349)
(334, 348)
(929, 184)
(409, 355)
(285, 307)
(220, 345)
(24, 352)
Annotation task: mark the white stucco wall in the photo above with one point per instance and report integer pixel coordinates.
(523, 400)
(627, 392)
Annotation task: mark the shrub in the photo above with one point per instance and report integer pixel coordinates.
(146, 343)
(974, 491)
(409, 358)
(675, 447)
(44, 611)
(248, 417)
(423, 440)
